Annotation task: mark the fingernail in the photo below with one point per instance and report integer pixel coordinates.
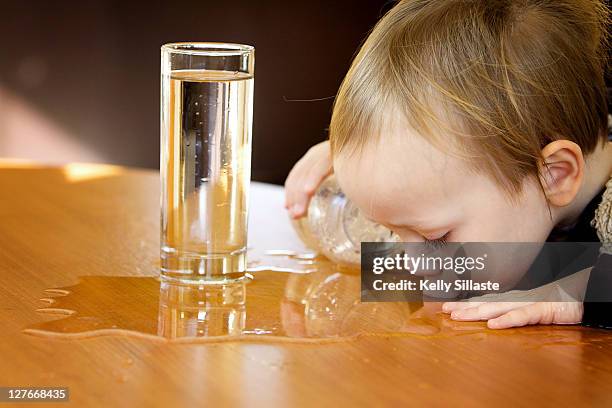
(446, 308)
(297, 210)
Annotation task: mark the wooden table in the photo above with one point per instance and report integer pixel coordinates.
(88, 223)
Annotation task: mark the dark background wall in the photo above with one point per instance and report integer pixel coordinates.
(91, 69)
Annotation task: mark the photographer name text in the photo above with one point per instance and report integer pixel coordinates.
(439, 285)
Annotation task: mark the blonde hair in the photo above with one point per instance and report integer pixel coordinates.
(504, 77)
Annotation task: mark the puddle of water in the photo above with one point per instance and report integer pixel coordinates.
(306, 299)
(315, 300)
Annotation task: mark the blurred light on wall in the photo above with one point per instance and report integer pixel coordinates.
(27, 133)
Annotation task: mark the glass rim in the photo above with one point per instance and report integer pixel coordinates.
(207, 48)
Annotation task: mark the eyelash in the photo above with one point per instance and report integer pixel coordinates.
(437, 243)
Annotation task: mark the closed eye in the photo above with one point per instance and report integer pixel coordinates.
(437, 243)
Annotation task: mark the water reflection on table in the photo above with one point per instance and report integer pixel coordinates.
(321, 301)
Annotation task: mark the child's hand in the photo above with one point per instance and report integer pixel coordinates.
(305, 177)
(555, 303)
(503, 315)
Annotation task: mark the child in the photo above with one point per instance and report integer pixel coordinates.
(482, 120)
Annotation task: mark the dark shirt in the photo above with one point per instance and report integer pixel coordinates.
(597, 307)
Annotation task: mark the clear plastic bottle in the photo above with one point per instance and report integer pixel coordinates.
(335, 227)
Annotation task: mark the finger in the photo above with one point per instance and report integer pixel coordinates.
(289, 185)
(449, 307)
(323, 168)
(305, 186)
(486, 311)
(300, 197)
(526, 315)
(298, 210)
(292, 185)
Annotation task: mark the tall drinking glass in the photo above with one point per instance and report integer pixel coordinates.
(206, 116)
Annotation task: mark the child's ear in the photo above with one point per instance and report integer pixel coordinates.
(562, 171)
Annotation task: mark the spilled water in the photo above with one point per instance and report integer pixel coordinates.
(305, 299)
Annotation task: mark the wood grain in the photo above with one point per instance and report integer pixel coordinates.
(57, 225)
